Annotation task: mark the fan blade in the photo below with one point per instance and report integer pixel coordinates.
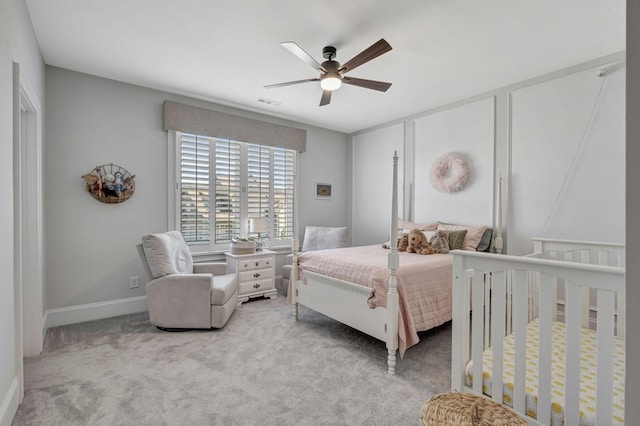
(326, 97)
(380, 86)
(300, 53)
(289, 83)
(372, 52)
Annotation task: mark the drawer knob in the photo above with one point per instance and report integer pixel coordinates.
(246, 265)
(257, 263)
(256, 275)
(256, 286)
(267, 262)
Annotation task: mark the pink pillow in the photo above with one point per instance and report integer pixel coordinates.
(473, 237)
(405, 224)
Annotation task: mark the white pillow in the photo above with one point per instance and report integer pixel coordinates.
(325, 237)
(167, 253)
(429, 234)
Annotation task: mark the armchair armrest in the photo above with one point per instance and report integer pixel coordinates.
(215, 268)
(180, 300)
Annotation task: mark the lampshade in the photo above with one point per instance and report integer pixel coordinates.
(258, 225)
(330, 81)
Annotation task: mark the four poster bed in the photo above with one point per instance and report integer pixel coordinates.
(384, 293)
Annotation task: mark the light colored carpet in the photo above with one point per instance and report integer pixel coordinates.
(262, 368)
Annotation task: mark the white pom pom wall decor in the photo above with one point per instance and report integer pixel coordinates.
(450, 172)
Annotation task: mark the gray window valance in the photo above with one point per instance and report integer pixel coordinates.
(201, 121)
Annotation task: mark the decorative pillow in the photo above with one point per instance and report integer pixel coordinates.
(429, 234)
(473, 237)
(485, 241)
(167, 253)
(405, 224)
(456, 238)
(325, 237)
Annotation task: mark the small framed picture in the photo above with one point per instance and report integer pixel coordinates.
(323, 191)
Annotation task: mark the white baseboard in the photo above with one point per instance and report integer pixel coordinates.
(94, 311)
(9, 404)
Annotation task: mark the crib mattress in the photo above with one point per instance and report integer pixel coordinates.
(587, 375)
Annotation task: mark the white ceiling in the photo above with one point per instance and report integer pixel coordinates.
(226, 51)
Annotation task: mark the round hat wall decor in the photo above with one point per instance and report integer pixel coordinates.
(450, 172)
(110, 183)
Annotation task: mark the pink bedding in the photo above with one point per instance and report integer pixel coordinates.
(424, 283)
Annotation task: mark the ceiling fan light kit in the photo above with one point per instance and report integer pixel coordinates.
(332, 73)
(330, 81)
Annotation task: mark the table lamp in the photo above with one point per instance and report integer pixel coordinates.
(259, 225)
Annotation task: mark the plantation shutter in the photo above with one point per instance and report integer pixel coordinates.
(242, 180)
(194, 189)
(259, 181)
(227, 187)
(283, 171)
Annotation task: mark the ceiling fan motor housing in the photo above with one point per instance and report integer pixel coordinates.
(329, 52)
(331, 66)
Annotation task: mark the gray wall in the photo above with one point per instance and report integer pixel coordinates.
(560, 159)
(632, 388)
(90, 246)
(17, 44)
(7, 362)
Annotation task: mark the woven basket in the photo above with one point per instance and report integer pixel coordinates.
(243, 247)
(101, 192)
(466, 409)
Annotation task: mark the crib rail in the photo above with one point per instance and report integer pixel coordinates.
(595, 253)
(508, 281)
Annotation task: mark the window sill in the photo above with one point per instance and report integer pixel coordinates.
(219, 254)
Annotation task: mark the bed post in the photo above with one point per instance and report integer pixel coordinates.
(497, 242)
(393, 300)
(293, 279)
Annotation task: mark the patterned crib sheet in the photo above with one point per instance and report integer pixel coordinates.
(587, 374)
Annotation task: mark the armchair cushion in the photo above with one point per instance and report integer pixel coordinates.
(167, 253)
(215, 268)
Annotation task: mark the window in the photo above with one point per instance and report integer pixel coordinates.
(241, 181)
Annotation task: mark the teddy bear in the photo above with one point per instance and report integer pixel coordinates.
(94, 183)
(418, 243)
(403, 242)
(440, 242)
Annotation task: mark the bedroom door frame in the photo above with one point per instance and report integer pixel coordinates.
(28, 223)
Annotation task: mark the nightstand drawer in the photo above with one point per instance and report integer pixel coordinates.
(256, 274)
(256, 285)
(256, 263)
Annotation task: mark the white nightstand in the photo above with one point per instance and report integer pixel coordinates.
(256, 274)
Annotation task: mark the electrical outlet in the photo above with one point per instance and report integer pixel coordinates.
(134, 281)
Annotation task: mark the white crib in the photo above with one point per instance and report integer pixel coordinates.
(550, 305)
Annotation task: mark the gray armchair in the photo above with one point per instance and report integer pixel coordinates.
(181, 294)
(317, 238)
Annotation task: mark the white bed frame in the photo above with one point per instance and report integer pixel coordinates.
(347, 302)
(505, 292)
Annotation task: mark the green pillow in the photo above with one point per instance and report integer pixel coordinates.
(456, 238)
(485, 241)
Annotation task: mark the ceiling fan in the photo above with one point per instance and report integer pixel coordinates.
(332, 73)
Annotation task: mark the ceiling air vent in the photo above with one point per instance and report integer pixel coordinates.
(269, 102)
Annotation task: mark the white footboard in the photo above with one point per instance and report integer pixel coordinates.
(512, 285)
(343, 301)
